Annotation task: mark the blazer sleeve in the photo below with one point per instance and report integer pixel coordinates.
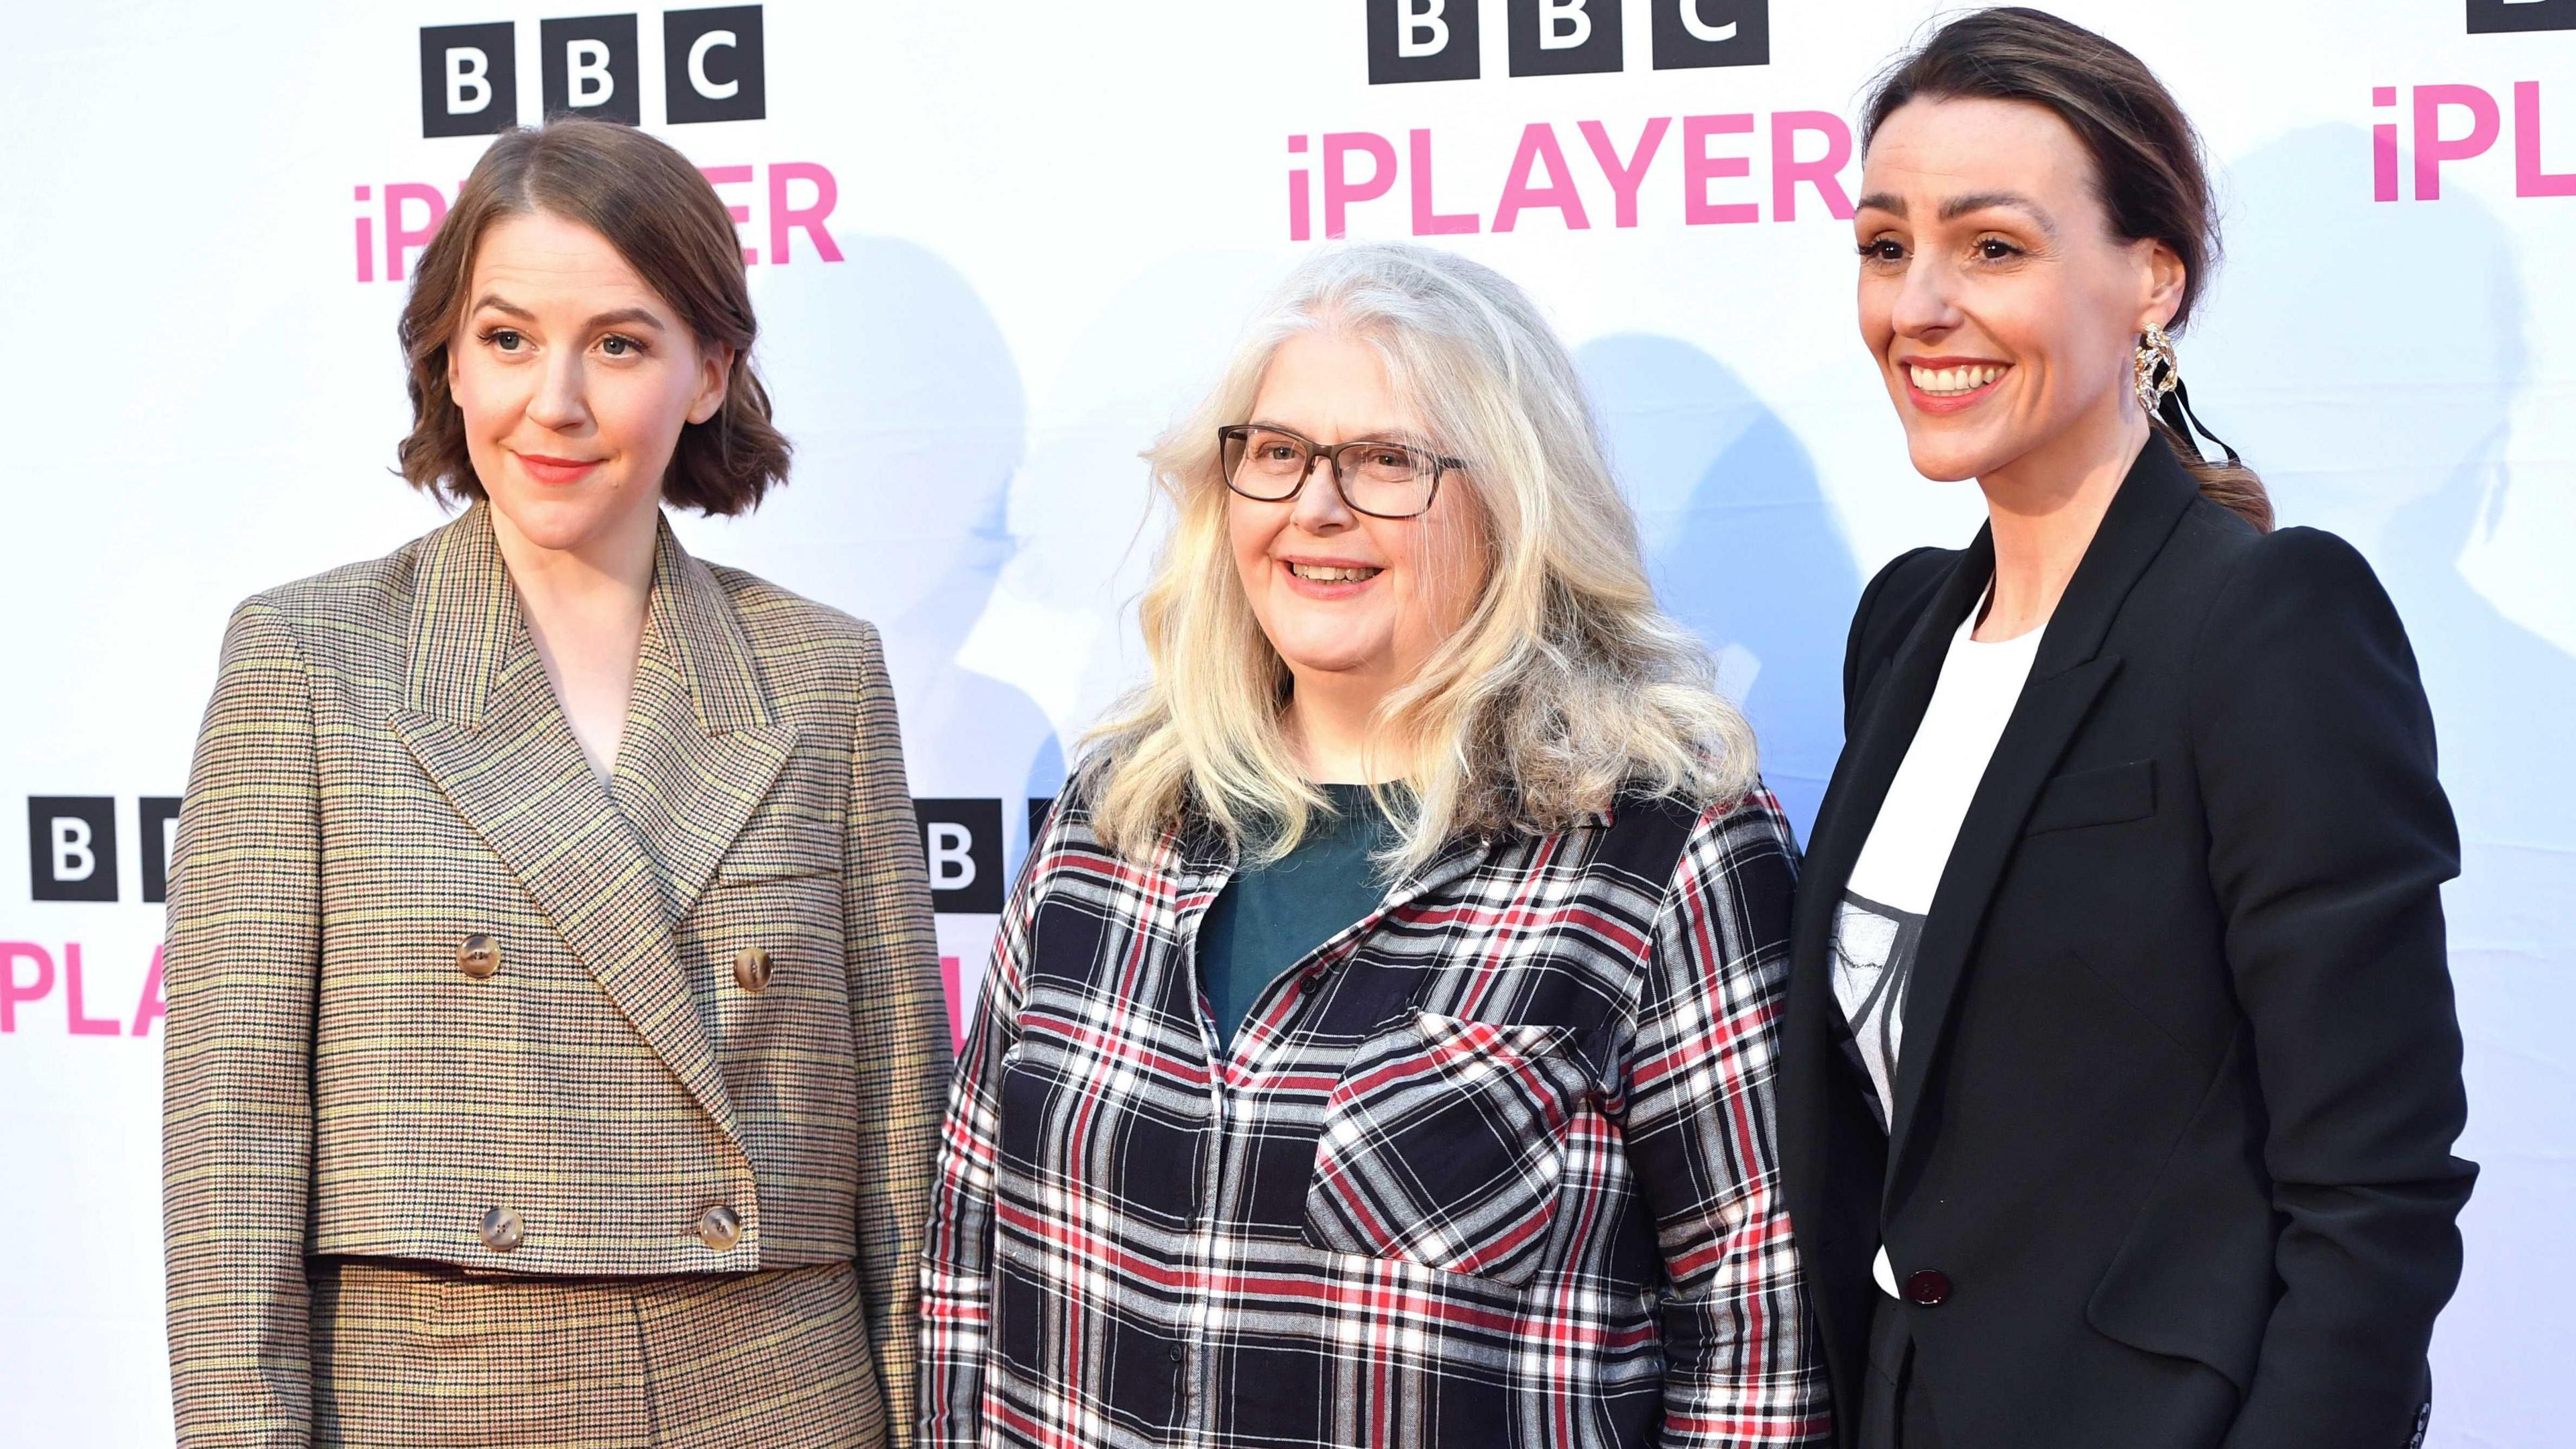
(1698, 1110)
(2330, 839)
(240, 967)
(1858, 644)
(899, 1026)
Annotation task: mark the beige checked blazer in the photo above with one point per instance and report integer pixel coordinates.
(438, 996)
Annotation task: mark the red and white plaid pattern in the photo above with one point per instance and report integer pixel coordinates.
(1494, 1166)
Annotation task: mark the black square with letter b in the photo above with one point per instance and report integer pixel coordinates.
(71, 847)
(469, 79)
(589, 67)
(2507, 17)
(961, 846)
(1564, 37)
(1421, 40)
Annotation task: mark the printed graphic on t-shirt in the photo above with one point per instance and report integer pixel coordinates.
(1874, 949)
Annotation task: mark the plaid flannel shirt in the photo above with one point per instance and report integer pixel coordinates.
(1493, 1166)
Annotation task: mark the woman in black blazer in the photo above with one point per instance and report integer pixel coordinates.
(2120, 1049)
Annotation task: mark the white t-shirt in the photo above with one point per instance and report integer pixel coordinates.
(1879, 923)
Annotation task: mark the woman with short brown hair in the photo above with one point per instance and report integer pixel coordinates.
(555, 1040)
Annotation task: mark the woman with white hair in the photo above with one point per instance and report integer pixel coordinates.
(1377, 1049)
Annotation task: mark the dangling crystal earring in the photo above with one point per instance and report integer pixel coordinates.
(2157, 375)
(2156, 369)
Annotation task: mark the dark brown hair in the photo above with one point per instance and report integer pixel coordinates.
(2148, 167)
(669, 225)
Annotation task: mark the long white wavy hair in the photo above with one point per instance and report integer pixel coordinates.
(1563, 684)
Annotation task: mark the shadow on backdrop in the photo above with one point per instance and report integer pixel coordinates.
(1741, 542)
(903, 471)
(1083, 522)
(2388, 424)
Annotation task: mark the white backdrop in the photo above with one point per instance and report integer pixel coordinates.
(1019, 235)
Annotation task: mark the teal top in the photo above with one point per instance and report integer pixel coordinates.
(1270, 916)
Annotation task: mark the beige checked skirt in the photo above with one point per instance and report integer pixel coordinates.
(415, 1354)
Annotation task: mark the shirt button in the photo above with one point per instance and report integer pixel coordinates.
(719, 1227)
(502, 1229)
(751, 968)
(1179, 1353)
(478, 956)
(1931, 1288)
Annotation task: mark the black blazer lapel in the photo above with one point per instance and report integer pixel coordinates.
(1832, 1156)
(1891, 709)
(2066, 677)
(483, 722)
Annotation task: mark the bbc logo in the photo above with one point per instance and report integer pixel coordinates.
(2503, 17)
(1437, 40)
(713, 69)
(961, 844)
(71, 846)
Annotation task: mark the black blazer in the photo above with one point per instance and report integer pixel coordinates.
(2181, 1072)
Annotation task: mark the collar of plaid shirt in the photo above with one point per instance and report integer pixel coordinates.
(1493, 1165)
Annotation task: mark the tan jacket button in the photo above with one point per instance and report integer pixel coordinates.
(502, 1230)
(478, 956)
(719, 1227)
(751, 968)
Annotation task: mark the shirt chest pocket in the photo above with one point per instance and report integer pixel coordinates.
(1444, 1144)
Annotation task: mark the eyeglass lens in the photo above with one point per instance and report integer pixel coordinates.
(1382, 478)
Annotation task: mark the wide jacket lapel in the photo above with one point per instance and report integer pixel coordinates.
(483, 721)
(702, 748)
(2066, 677)
(1891, 707)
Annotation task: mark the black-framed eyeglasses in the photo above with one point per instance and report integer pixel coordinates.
(1375, 476)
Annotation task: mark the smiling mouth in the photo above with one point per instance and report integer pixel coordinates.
(1324, 574)
(1948, 382)
(556, 470)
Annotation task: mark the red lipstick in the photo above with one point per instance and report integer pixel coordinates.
(556, 471)
(1942, 404)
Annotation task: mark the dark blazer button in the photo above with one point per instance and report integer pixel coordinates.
(751, 968)
(719, 1227)
(502, 1230)
(1931, 1288)
(478, 956)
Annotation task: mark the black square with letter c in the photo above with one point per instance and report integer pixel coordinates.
(713, 67)
(1693, 33)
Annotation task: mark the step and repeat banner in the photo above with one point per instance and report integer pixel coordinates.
(997, 247)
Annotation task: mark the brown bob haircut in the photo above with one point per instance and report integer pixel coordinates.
(669, 225)
(2147, 163)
